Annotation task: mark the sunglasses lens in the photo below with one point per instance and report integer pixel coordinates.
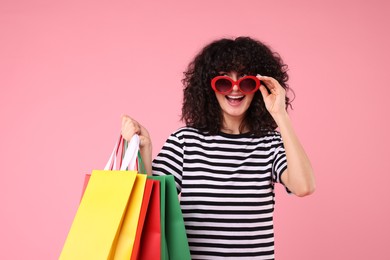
(247, 85)
(223, 85)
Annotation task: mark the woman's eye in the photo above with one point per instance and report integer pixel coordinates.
(242, 75)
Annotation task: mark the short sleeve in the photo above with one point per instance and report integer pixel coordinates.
(170, 160)
(279, 164)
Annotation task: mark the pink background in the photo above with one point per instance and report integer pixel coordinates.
(69, 69)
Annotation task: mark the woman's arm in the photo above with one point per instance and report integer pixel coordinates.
(131, 127)
(299, 176)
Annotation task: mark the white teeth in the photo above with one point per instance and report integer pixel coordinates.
(235, 97)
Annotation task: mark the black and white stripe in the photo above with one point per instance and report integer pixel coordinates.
(227, 190)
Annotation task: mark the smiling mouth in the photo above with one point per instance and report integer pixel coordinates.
(234, 99)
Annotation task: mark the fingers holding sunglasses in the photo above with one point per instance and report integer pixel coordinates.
(273, 94)
(272, 84)
(264, 91)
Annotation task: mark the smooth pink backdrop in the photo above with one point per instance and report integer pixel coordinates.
(69, 69)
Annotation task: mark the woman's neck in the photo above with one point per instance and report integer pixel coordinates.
(232, 125)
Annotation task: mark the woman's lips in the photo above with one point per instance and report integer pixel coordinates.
(235, 100)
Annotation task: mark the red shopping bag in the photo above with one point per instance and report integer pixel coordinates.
(142, 216)
(150, 234)
(86, 180)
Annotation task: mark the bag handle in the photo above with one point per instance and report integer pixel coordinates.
(110, 165)
(130, 155)
(140, 163)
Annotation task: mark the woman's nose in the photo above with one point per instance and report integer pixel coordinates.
(235, 87)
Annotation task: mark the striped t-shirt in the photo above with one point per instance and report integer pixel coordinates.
(227, 190)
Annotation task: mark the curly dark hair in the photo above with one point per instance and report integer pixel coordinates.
(201, 109)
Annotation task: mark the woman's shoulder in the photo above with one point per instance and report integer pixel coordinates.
(273, 133)
(188, 131)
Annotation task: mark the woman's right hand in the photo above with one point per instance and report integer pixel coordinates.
(131, 127)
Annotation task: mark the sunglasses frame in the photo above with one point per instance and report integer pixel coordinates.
(215, 79)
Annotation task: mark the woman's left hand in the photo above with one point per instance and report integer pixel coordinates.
(275, 102)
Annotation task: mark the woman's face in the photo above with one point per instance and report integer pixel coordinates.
(234, 104)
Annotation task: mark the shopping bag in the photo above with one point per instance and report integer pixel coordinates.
(147, 244)
(111, 164)
(105, 223)
(142, 217)
(174, 241)
(126, 239)
(86, 180)
(99, 216)
(148, 236)
(174, 223)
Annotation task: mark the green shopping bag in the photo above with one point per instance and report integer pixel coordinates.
(174, 242)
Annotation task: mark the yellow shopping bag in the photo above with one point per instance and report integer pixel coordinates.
(106, 221)
(126, 238)
(98, 220)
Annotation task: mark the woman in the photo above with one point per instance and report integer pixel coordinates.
(228, 157)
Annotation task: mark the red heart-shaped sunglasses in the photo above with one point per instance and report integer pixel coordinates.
(225, 84)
